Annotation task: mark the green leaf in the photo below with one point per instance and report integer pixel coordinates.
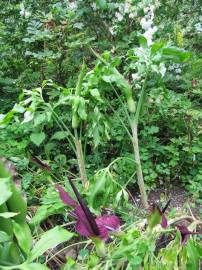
(99, 187)
(4, 237)
(102, 3)
(37, 138)
(23, 235)
(59, 135)
(34, 266)
(45, 211)
(8, 214)
(28, 116)
(39, 119)
(175, 54)
(154, 219)
(193, 255)
(18, 108)
(50, 239)
(5, 190)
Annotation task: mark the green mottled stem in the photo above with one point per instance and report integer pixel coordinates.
(80, 158)
(138, 165)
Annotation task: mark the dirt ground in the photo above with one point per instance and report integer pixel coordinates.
(179, 199)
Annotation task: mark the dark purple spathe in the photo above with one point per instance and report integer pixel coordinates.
(84, 226)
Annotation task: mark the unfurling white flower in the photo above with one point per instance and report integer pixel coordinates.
(132, 15)
(27, 14)
(93, 5)
(23, 12)
(149, 34)
(178, 70)
(162, 69)
(171, 68)
(146, 9)
(111, 30)
(146, 24)
(119, 16)
(127, 7)
(135, 76)
(139, 52)
(198, 27)
(73, 5)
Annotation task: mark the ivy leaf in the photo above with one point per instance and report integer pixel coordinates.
(37, 138)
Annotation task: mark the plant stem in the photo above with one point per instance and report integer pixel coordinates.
(134, 128)
(140, 178)
(80, 158)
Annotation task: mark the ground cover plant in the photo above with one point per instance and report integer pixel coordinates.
(100, 131)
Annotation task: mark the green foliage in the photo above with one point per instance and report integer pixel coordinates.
(16, 245)
(142, 61)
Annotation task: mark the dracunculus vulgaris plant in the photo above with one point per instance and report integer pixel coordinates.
(157, 216)
(126, 89)
(150, 59)
(32, 103)
(99, 228)
(185, 233)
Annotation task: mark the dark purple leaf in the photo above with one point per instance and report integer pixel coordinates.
(41, 163)
(164, 223)
(86, 210)
(185, 233)
(64, 196)
(103, 224)
(106, 224)
(83, 226)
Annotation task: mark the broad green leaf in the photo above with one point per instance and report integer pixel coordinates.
(5, 119)
(34, 266)
(50, 239)
(81, 109)
(10, 254)
(8, 214)
(100, 185)
(59, 135)
(39, 119)
(45, 211)
(154, 218)
(18, 108)
(37, 138)
(102, 3)
(5, 190)
(193, 255)
(28, 116)
(23, 235)
(95, 93)
(157, 46)
(4, 237)
(175, 54)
